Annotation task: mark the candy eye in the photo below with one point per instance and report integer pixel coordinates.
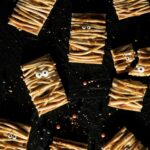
(38, 74)
(10, 136)
(141, 69)
(14, 137)
(83, 27)
(45, 73)
(88, 27)
(128, 58)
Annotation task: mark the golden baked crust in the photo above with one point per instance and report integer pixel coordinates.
(124, 140)
(131, 8)
(30, 15)
(123, 57)
(127, 94)
(87, 41)
(44, 84)
(13, 136)
(142, 68)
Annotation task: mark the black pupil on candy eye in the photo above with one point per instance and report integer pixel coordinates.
(88, 27)
(141, 69)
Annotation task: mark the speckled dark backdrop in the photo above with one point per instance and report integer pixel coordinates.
(88, 102)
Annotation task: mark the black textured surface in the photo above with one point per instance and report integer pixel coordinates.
(88, 102)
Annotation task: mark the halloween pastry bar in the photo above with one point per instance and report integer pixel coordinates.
(131, 8)
(13, 136)
(143, 66)
(127, 94)
(44, 84)
(30, 15)
(123, 57)
(124, 140)
(67, 144)
(87, 41)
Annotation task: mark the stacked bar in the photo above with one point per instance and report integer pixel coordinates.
(123, 57)
(44, 84)
(87, 41)
(142, 68)
(13, 136)
(60, 144)
(127, 94)
(131, 8)
(30, 15)
(124, 140)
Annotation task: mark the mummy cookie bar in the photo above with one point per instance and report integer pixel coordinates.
(123, 57)
(59, 144)
(44, 84)
(127, 94)
(30, 15)
(13, 136)
(124, 140)
(131, 8)
(87, 41)
(142, 68)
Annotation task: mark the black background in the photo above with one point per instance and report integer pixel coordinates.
(88, 102)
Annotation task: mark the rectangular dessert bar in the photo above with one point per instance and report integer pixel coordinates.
(13, 136)
(124, 140)
(44, 84)
(131, 8)
(30, 15)
(142, 69)
(127, 94)
(123, 56)
(87, 38)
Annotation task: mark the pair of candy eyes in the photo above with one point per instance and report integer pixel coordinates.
(11, 136)
(40, 74)
(84, 27)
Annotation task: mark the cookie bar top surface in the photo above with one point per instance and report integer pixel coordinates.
(127, 94)
(30, 15)
(142, 69)
(13, 135)
(131, 8)
(124, 140)
(44, 84)
(87, 40)
(123, 57)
